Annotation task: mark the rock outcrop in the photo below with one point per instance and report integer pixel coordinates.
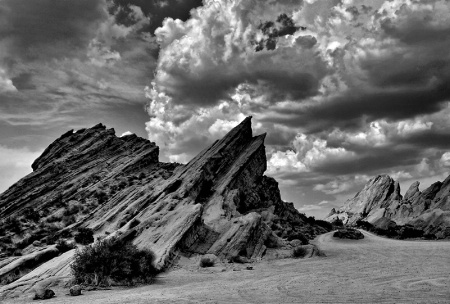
(381, 204)
(219, 203)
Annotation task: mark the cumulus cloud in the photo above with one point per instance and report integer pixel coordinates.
(6, 84)
(346, 91)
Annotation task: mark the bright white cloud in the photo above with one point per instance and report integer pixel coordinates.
(6, 85)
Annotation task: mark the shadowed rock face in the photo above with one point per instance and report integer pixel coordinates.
(380, 202)
(219, 203)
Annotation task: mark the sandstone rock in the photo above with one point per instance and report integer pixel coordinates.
(75, 290)
(219, 203)
(44, 294)
(381, 204)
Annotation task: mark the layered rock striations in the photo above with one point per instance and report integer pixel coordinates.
(219, 203)
(381, 203)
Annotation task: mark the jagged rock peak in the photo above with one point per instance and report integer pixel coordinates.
(379, 188)
(413, 191)
(85, 141)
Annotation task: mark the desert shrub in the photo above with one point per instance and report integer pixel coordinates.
(13, 224)
(101, 196)
(84, 236)
(364, 225)
(348, 233)
(338, 222)
(71, 210)
(429, 236)
(69, 220)
(324, 224)
(299, 252)
(407, 231)
(113, 262)
(63, 246)
(31, 214)
(206, 261)
(298, 236)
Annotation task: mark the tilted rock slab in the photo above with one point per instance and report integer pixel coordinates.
(219, 203)
(380, 201)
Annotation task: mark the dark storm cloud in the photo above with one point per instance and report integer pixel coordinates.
(48, 29)
(354, 109)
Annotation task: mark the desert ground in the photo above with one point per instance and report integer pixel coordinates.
(372, 270)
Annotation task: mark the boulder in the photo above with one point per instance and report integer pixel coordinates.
(75, 290)
(44, 294)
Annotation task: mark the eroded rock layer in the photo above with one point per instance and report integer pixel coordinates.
(381, 203)
(219, 203)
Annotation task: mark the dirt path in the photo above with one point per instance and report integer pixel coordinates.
(372, 270)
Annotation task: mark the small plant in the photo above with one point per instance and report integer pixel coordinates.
(207, 261)
(113, 262)
(299, 252)
(84, 236)
(64, 246)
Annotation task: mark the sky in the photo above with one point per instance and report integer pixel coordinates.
(345, 89)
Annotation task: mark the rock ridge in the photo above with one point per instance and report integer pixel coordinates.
(219, 203)
(381, 203)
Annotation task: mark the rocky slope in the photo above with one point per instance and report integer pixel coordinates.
(381, 204)
(219, 203)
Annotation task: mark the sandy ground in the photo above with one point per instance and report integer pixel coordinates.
(372, 270)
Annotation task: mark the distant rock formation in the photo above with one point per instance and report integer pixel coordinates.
(381, 203)
(219, 203)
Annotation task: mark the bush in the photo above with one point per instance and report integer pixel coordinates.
(84, 236)
(207, 261)
(338, 222)
(113, 262)
(348, 233)
(298, 236)
(299, 252)
(324, 224)
(64, 246)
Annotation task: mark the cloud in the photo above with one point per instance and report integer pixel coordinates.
(14, 164)
(351, 90)
(6, 85)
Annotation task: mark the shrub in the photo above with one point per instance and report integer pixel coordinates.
(64, 246)
(348, 233)
(299, 252)
(338, 222)
(298, 236)
(113, 262)
(324, 224)
(84, 236)
(207, 261)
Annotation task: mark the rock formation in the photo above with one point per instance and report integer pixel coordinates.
(219, 203)
(381, 203)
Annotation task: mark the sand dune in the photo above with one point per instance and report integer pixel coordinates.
(372, 270)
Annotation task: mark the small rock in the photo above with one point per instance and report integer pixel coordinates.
(295, 242)
(75, 290)
(249, 268)
(236, 269)
(44, 294)
(224, 269)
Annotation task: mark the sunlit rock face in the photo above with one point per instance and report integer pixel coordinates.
(219, 203)
(380, 201)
